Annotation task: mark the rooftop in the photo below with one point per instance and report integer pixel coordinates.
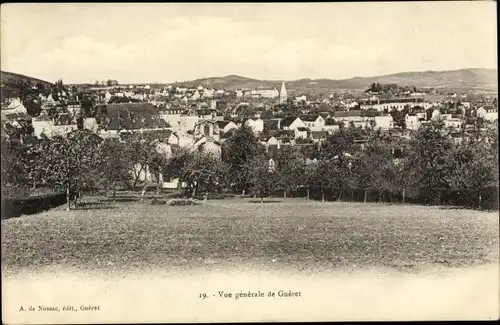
(347, 113)
(309, 117)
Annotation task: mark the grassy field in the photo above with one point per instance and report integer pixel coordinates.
(292, 234)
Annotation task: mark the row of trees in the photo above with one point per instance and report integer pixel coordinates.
(81, 161)
(430, 170)
(431, 166)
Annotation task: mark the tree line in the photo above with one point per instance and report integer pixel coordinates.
(428, 167)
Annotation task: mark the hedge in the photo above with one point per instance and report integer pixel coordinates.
(14, 206)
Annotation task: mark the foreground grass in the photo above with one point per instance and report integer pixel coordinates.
(294, 234)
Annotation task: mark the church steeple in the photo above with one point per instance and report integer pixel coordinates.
(283, 94)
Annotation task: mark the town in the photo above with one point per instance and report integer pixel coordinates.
(187, 117)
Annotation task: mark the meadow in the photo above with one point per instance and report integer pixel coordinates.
(242, 234)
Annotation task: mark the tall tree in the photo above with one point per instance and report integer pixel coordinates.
(143, 151)
(336, 160)
(71, 163)
(203, 172)
(429, 160)
(237, 151)
(115, 168)
(290, 167)
(376, 168)
(263, 179)
(474, 167)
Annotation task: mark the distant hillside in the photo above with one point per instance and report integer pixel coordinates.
(9, 75)
(453, 79)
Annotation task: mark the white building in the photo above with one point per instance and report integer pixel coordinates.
(187, 123)
(394, 104)
(301, 132)
(436, 115)
(290, 123)
(226, 126)
(313, 121)
(15, 107)
(412, 121)
(454, 123)
(265, 93)
(489, 113)
(385, 122)
(256, 124)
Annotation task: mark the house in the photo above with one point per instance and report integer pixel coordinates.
(195, 96)
(15, 107)
(256, 124)
(173, 139)
(173, 110)
(90, 124)
(130, 116)
(64, 119)
(455, 123)
(488, 112)
(362, 124)
(301, 99)
(313, 120)
(174, 120)
(50, 100)
(45, 126)
(422, 116)
(226, 126)
(208, 129)
(491, 116)
(271, 124)
(265, 93)
(385, 122)
(240, 109)
(446, 117)
(436, 115)
(272, 141)
(187, 123)
(331, 128)
(74, 108)
(412, 121)
(301, 132)
(318, 136)
(291, 123)
(391, 104)
(353, 115)
(208, 93)
(466, 105)
(65, 129)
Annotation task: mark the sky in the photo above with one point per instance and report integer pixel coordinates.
(139, 43)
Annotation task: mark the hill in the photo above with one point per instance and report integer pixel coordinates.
(451, 79)
(9, 75)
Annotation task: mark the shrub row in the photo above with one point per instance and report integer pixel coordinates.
(14, 206)
(469, 198)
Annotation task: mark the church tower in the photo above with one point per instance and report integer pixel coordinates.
(283, 94)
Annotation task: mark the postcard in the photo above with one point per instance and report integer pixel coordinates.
(249, 162)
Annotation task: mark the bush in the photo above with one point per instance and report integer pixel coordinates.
(216, 196)
(158, 202)
(30, 202)
(181, 202)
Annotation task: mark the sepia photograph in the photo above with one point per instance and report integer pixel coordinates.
(249, 162)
